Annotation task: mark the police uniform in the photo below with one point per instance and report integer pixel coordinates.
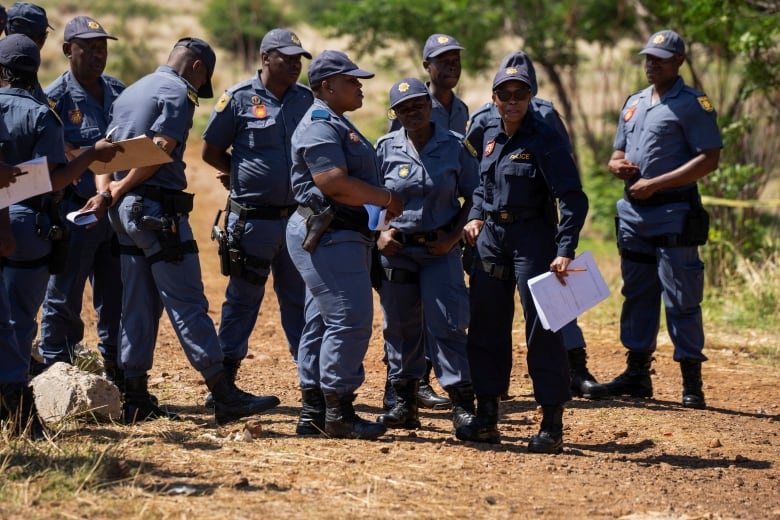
(455, 118)
(85, 121)
(35, 132)
(430, 183)
(31, 20)
(658, 139)
(259, 127)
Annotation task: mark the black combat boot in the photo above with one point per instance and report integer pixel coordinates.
(634, 382)
(114, 374)
(311, 420)
(581, 379)
(389, 397)
(17, 406)
(427, 396)
(550, 436)
(483, 427)
(693, 397)
(231, 403)
(342, 422)
(231, 367)
(138, 405)
(404, 414)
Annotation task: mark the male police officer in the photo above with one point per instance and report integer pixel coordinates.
(82, 97)
(160, 267)
(257, 118)
(667, 139)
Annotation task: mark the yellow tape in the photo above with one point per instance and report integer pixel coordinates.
(732, 203)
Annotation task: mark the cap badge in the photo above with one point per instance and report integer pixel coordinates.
(511, 71)
(658, 40)
(403, 171)
(442, 39)
(92, 24)
(260, 111)
(403, 87)
(295, 39)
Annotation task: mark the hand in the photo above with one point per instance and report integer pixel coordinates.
(99, 205)
(224, 178)
(642, 189)
(471, 231)
(387, 244)
(559, 266)
(105, 150)
(623, 169)
(8, 175)
(395, 205)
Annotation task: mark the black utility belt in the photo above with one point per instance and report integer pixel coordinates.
(339, 222)
(416, 239)
(173, 201)
(262, 212)
(509, 216)
(659, 199)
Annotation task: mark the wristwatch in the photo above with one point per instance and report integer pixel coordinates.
(107, 196)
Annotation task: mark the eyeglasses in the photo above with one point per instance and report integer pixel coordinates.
(517, 95)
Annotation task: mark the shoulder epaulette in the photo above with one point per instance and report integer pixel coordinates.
(320, 115)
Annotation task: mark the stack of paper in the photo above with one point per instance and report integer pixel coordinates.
(559, 304)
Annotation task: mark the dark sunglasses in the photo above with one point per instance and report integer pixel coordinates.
(508, 95)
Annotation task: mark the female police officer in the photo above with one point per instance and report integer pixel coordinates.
(334, 173)
(525, 167)
(430, 168)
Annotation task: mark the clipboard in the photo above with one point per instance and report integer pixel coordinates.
(136, 153)
(33, 180)
(557, 304)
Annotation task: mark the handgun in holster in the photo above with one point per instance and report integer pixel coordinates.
(317, 223)
(223, 247)
(170, 242)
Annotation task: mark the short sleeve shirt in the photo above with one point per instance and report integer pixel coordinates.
(160, 103)
(430, 182)
(259, 127)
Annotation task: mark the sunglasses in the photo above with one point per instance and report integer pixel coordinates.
(517, 95)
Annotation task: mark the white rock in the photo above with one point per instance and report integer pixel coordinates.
(64, 391)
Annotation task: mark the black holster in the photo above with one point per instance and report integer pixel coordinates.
(57, 233)
(319, 217)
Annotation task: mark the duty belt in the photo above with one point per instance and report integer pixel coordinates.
(659, 199)
(262, 213)
(509, 216)
(340, 222)
(420, 239)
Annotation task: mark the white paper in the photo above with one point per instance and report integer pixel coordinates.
(557, 304)
(136, 153)
(377, 217)
(82, 218)
(34, 180)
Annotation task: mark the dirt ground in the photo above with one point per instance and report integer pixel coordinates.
(622, 458)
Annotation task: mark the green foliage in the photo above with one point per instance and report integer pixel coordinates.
(239, 25)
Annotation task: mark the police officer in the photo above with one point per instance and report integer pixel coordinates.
(34, 131)
(423, 293)
(257, 118)
(334, 173)
(160, 265)
(31, 20)
(486, 117)
(82, 97)
(525, 168)
(667, 139)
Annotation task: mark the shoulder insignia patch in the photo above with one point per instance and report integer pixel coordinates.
(192, 96)
(354, 137)
(704, 101)
(469, 147)
(222, 102)
(320, 115)
(489, 148)
(75, 116)
(260, 111)
(403, 170)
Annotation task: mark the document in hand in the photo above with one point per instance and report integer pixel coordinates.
(33, 180)
(559, 304)
(136, 152)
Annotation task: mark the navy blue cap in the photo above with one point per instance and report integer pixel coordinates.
(521, 59)
(331, 63)
(19, 53)
(664, 44)
(406, 89)
(204, 53)
(517, 73)
(438, 44)
(85, 28)
(27, 18)
(284, 41)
